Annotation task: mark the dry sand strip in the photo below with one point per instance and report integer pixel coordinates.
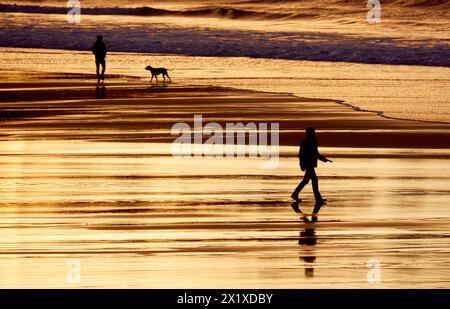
(131, 111)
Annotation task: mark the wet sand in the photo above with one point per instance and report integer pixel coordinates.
(141, 112)
(87, 177)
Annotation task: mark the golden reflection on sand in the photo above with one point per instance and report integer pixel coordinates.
(134, 217)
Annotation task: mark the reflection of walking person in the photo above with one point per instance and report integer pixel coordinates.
(99, 50)
(308, 237)
(308, 155)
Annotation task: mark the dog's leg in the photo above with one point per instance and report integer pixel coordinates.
(169, 77)
(156, 76)
(151, 79)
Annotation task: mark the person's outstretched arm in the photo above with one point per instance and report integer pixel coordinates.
(319, 156)
(322, 158)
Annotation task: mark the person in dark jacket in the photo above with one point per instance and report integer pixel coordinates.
(308, 155)
(99, 50)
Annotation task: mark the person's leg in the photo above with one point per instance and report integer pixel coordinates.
(103, 68)
(302, 184)
(317, 196)
(97, 64)
(315, 185)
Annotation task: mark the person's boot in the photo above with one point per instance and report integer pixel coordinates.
(320, 200)
(294, 206)
(296, 198)
(319, 204)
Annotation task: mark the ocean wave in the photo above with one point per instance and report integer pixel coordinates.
(398, 3)
(218, 12)
(38, 31)
(240, 43)
(255, 9)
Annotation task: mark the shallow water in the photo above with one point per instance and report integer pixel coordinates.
(135, 219)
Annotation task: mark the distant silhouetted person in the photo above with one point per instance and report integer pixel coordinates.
(99, 50)
(308, 155)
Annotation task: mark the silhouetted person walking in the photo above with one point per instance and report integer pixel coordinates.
(99, 50)
(308, 155)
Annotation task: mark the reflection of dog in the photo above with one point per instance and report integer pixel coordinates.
(156, 71)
